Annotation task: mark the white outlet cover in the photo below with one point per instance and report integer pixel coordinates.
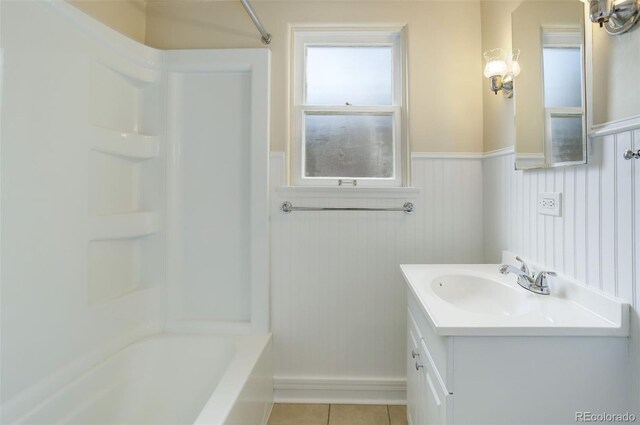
(550, 203)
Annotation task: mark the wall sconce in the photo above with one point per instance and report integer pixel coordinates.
(501, 70)
(617, 16)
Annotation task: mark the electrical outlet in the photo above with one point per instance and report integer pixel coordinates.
(550, 203)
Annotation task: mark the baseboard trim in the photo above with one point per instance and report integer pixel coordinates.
(339, 391)
(265, 419)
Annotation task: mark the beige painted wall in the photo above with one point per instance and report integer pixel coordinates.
(498, 112)
(616, 87)
(445, 62)
(125, 16)
(435, 126)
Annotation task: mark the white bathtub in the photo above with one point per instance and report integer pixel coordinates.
(170, 379)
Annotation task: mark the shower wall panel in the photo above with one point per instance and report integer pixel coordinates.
(217, 222)
(85, 238)
(82, 192)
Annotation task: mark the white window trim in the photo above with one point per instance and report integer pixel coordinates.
(381, 36)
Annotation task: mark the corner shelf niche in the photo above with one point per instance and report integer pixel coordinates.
(125, 179)
(122, 230)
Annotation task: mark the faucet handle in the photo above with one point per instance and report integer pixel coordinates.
(524, 267)
(541, 279)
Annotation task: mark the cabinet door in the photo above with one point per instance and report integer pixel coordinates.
(434, 397)
(413, 375)
(434, 408)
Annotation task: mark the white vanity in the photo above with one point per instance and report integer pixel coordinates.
(483, 350)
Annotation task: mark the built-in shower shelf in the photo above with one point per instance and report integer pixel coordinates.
(128, 145)
(123, 226)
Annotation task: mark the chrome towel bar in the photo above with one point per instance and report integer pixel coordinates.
(286, 208)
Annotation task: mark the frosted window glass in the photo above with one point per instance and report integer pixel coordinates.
(566, 139)
(354, 75)
(350, 146)
(562, 77)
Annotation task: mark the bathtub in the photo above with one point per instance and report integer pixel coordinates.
(170, 379)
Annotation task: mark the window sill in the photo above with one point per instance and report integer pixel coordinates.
(348, 192)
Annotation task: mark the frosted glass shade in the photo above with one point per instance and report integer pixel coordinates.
(494, 68)
(495, 64)
(515, 68)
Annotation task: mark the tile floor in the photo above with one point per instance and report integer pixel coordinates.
(337, 414)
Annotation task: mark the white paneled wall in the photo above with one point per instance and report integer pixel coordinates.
(597, 239)
(338, 309)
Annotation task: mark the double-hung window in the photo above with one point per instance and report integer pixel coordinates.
(348, 97)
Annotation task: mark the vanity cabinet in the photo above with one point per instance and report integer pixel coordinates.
(461, 379)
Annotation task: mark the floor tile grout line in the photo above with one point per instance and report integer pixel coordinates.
(388, 414)
(329, 414)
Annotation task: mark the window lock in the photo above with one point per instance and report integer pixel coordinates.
(342, 182)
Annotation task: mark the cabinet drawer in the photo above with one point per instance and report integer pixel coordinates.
(439, 348)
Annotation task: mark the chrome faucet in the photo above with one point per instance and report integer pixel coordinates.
(537, 284)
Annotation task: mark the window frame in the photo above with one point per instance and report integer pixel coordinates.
(304, 37)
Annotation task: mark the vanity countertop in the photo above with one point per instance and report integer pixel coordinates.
(476, 300)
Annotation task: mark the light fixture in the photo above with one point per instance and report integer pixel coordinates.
(500, 69)
(617, 16)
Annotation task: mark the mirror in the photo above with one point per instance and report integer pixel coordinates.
(551, 124)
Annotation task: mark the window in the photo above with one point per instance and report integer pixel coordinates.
(563, 96)
(348, 108)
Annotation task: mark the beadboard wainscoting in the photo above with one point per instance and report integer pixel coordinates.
(338, 299)
(596, 240)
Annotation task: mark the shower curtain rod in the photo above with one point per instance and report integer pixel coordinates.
(266, 37)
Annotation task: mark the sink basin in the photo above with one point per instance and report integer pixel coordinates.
(476, 300)
(479, 295)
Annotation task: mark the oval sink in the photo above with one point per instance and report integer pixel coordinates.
(479, 295)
